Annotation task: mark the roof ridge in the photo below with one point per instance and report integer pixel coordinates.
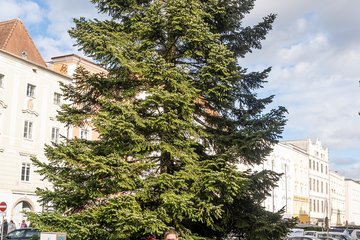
(15, 20)
(10, 20)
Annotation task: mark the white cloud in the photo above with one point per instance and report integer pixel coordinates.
(50, 47)
(32, 12)
(9, 9)
(60, 15)
(28, 11)
(301, 25)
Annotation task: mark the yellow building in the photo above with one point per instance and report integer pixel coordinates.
(292, 192)
(67, 64)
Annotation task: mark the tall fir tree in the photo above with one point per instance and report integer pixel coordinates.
(175, 114)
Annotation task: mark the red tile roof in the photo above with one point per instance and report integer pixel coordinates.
(15, 39)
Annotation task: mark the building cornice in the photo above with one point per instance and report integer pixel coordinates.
(35, 64)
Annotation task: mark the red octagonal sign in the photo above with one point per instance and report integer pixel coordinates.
(3, 206)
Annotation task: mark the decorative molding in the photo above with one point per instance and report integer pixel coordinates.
(30, 112)
(24, 193)
(3, 104)
(25, 154)
(30, 104)
(64, 69)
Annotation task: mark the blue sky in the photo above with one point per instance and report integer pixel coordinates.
(314, 51)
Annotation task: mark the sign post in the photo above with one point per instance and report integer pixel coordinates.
(3, 207)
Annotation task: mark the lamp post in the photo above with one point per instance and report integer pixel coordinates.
(273, 192)
(286, 189)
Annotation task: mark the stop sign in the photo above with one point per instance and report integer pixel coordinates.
(3, 206)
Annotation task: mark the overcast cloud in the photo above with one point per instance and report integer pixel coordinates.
(314, 51)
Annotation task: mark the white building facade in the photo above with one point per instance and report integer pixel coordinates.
(306, 175)
(337, 199)
(352, 202)
(30, 96)
(308, 189)
(318, 165)
(292, 191)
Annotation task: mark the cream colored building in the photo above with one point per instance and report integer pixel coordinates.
(352, 202)
(29, 98)
(292, 190)
(67, 64)
(318, 179)
(304, 187)
(337, 199)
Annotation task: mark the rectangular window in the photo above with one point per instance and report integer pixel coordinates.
(1, 80)
(28, 127)
(317, 206)
(327, 186)
(322, 187)
(314, 185)
(84, 133)
(310, 183)
(57, 98)
(310, 163)
(55, 135)
(321, 168)
(310, 205)
(25, 172)
(30, 90)
(317, 185)
(314, 208)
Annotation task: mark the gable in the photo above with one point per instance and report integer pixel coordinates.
(15, 39)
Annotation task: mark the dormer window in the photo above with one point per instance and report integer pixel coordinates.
(24, 54)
